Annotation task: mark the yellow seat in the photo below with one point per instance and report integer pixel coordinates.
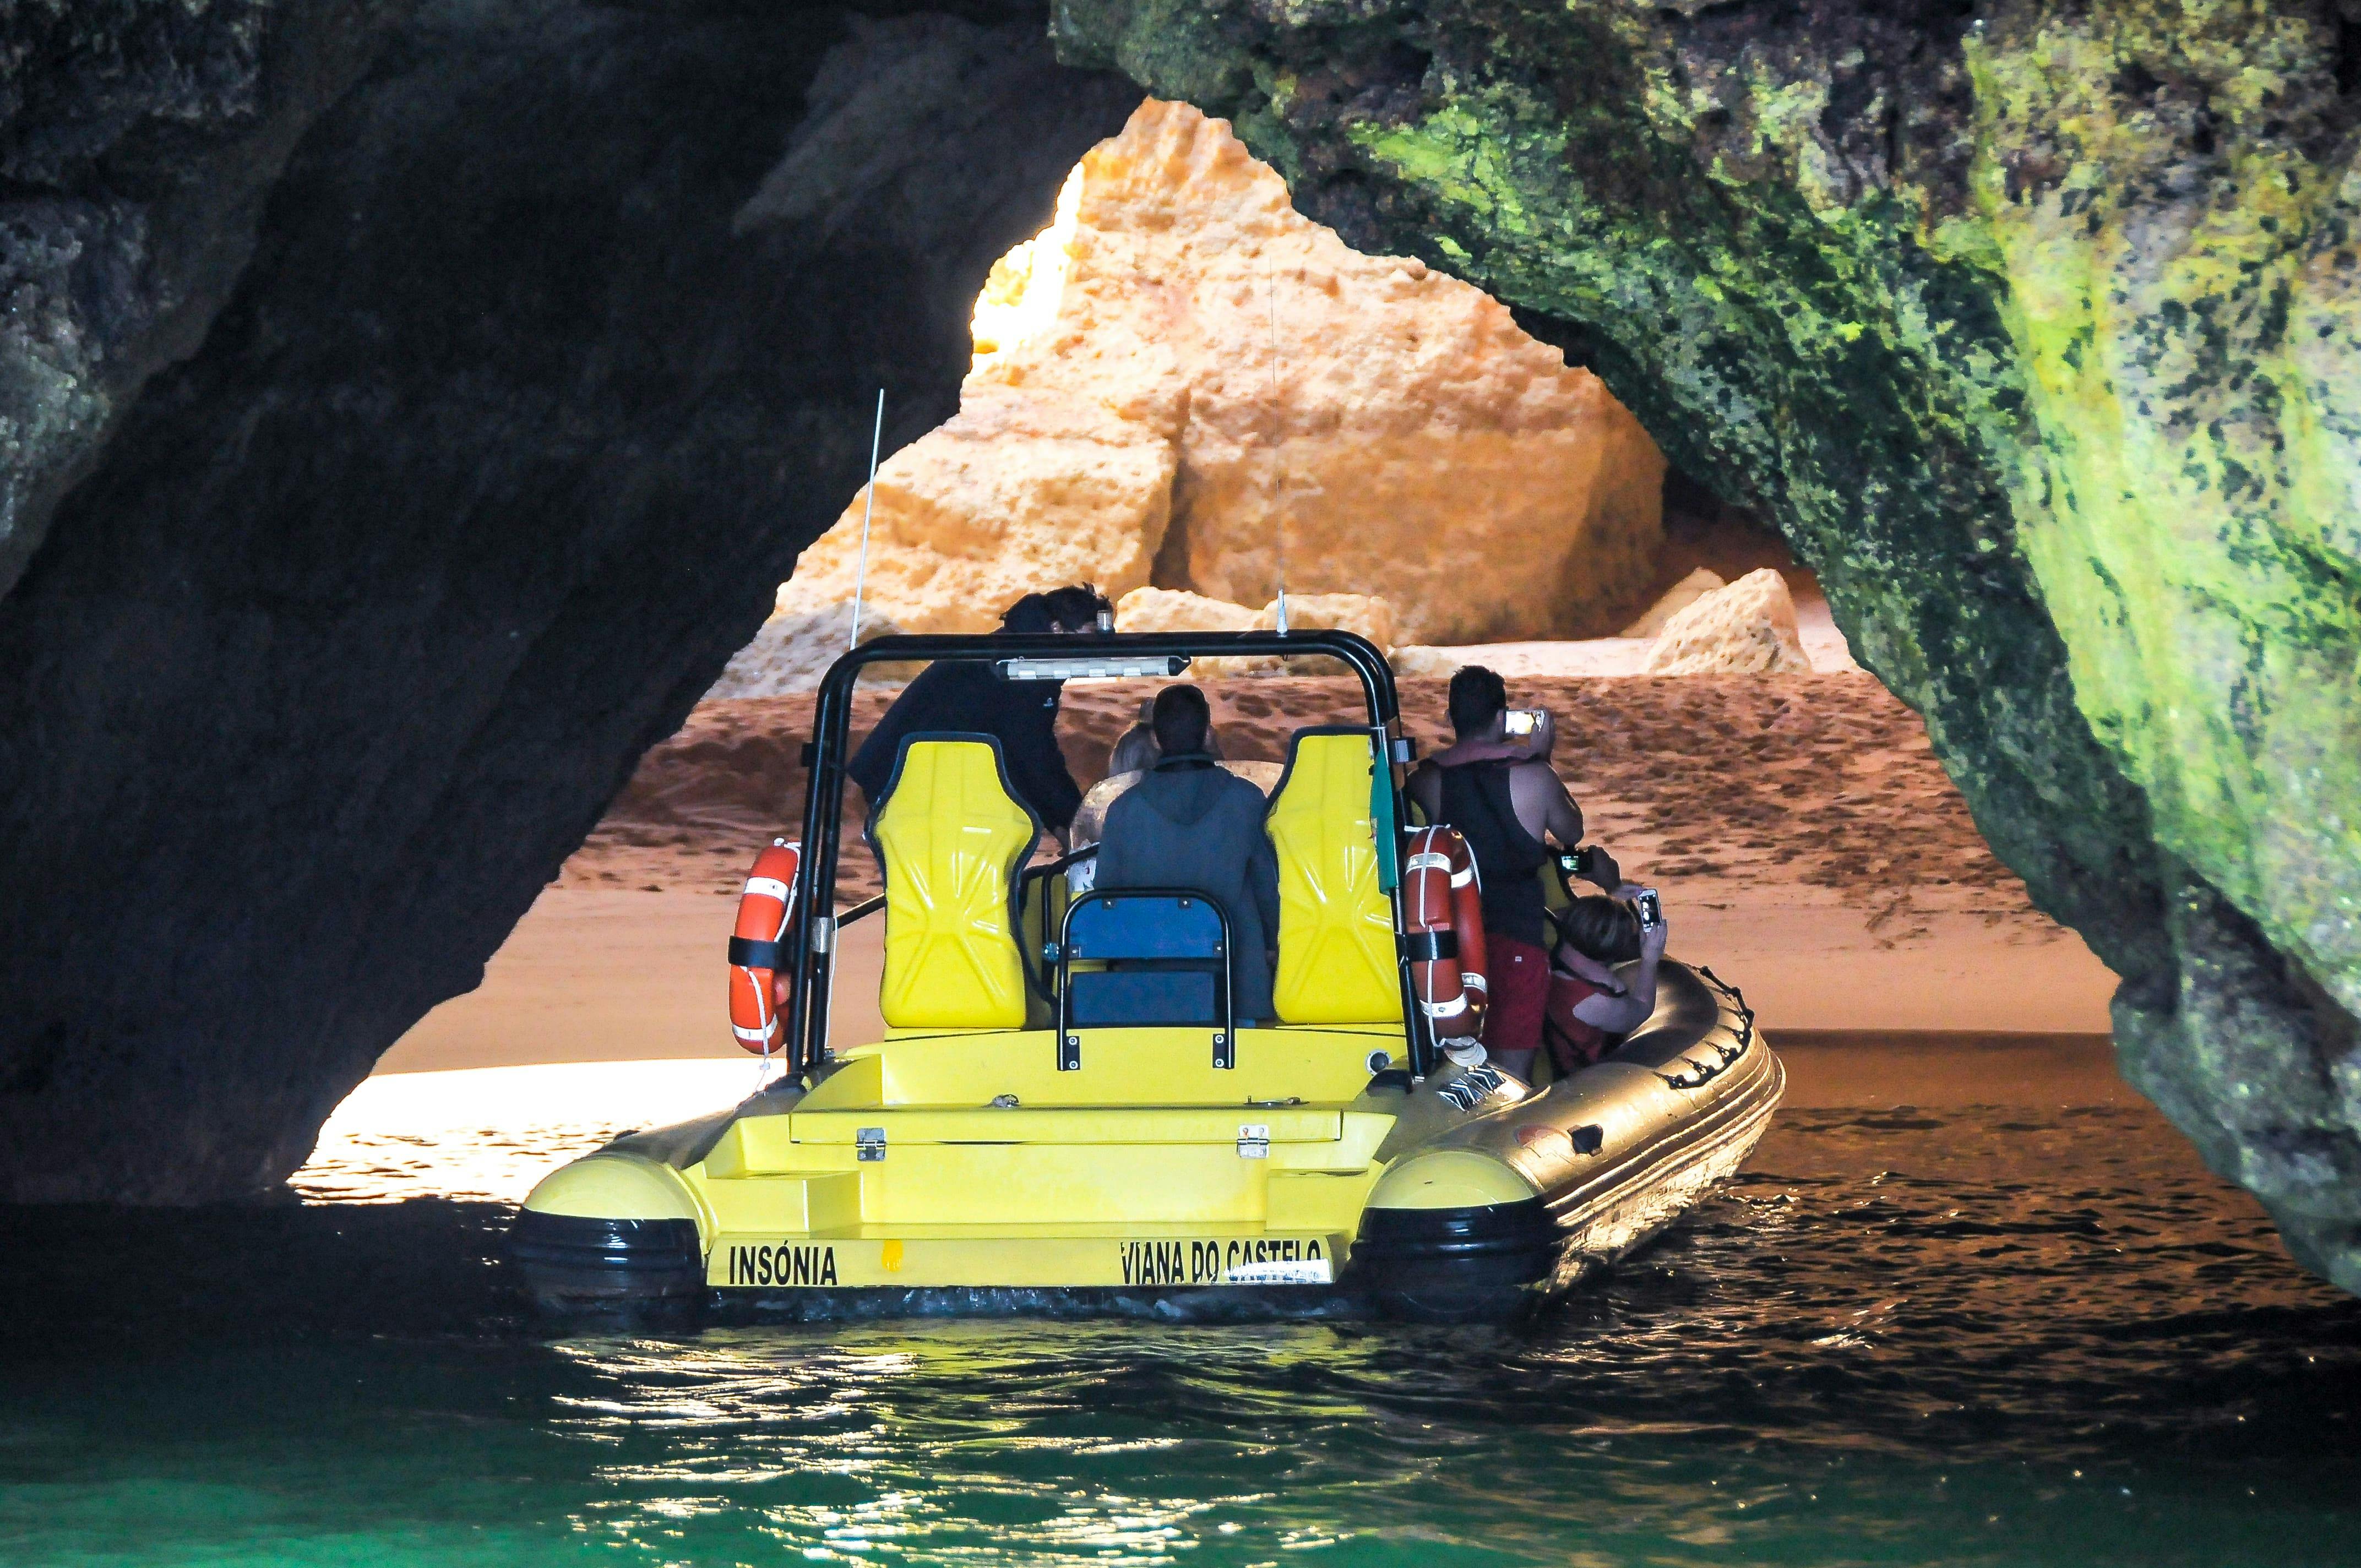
(952, 839)
(1337, 950)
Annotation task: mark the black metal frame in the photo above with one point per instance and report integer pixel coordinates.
(1037, 965)
(814, 934)
(1226, 1029)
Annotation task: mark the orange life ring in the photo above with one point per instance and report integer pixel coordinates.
(1442, 912)
(757, 967)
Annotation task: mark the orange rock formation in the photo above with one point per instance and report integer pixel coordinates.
(1182, 370)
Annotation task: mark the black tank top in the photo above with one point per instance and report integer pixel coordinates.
(1476, 800)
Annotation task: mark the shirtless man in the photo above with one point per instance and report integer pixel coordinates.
(1505, 800)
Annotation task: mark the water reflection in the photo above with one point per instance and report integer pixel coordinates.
(1963, 1336)
(492, 1133)
(1584, 1442)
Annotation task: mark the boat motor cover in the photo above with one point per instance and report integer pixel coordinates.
(952, 836)
(1336, 948)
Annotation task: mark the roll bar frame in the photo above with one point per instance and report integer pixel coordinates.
(814, 934)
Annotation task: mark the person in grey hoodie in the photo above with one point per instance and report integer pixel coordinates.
(1188, 824)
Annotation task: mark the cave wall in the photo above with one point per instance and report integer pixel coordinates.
(2037, 327)
(137, 143)
(559, 337)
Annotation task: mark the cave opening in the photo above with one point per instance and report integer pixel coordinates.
(1177, 371)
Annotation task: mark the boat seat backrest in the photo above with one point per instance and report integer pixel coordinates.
(952, 839)
(1336, 948)
(1147, 957)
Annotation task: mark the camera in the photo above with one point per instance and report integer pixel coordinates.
(1651, 908)
(1520, 722)
(1589, 863)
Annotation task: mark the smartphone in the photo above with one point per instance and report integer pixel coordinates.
(1520, 722)
(1651, 908)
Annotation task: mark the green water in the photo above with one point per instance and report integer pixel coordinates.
(1958, 1337)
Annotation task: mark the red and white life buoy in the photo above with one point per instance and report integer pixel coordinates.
(757, 990)
(1442, 912)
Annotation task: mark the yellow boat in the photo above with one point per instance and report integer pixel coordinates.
(1063, 1113)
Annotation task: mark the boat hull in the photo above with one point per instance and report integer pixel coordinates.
(1614, 1155)
(1466, 1196)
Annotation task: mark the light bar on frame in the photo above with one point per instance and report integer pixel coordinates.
(1092, 667)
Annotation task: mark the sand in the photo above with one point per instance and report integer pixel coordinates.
(1808, 847)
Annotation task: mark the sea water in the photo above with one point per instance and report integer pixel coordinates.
(1973, 1336)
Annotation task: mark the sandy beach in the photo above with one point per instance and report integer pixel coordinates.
(1807, 845)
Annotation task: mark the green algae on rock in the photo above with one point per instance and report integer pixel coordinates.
(2172, 195)
(2037, 329)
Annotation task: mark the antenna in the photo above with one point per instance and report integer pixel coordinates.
(868, 505)
(1279, 441)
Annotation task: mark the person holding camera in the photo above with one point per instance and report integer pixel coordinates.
(1588, 1001)
(1495, 785)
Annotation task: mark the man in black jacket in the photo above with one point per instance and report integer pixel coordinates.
(1188, 824)
(970, 696)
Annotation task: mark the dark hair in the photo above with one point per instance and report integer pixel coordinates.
(1181, 719)
(1478, 697)
(1600, 927)
(1079, 606)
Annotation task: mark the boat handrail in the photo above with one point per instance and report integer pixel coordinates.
(814, 923)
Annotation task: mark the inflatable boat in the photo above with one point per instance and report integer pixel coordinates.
(1063, 1111)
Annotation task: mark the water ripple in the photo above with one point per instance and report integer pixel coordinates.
(1954, 1336)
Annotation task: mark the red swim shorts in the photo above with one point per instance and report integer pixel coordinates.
(1520, 996)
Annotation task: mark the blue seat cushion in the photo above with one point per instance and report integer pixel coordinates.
(1114, 998)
